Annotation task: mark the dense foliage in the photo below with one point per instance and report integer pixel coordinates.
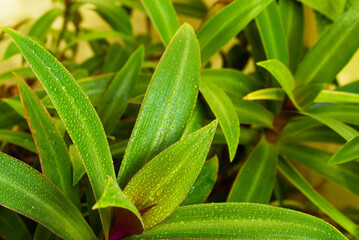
(167, 134)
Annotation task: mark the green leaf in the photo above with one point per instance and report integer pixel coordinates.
(226, 24)
(128, 218)
(299, 182)
(331, 9)
(78, 168)
(255, 181)
(18, 138)
(100, 35)
(79, 117)
(164, 182)
(118, 149)
(337, 97)
(204, 183)
(342, 129)
(283, 76)
(114, 101)
(348, 113)
(28, 192)
(253, 113)
(15, 103)
(347, 152)
(276, 94)
(24, 72)
(233, 82)
(345, 175)
(196, 120)
(240, 221)
(197, 8)
(116, 58)
(223, 108)
(271, 30)
(293, 21)
(163, 17)
(168, 103)
(12, 226)
(52, 150)
(9, 117)
(42, 233)
(332, 51)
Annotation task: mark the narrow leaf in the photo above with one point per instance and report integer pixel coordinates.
(163, 17)
(226, 24)
(255, 181)
(332, 51)
(348, 113)
(240, 221)
(163, 183)
(196, 120)
(283, 76)
(18, 138)
(78, 169)
(331, 9)
(337, 97)
(204, 183)
(271, 30)
(168, 103)
(12, 226)
(223, 108)
(54, 156)
(128, 219)
(345, 175)
(297, 180)
(276, 94)
(347, 152)
(76, 111)
(28, 192)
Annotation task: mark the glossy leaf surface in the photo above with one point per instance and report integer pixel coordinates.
(223, 108)
(226, 24)
(348, 152)
(168, 103)
(28, 192)
(79, 116)
(54, 156)
(240, 221)
(255, 181)
(295, 178)
(163, 183)
(163, 16)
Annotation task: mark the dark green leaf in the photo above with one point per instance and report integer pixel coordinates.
(12, 226)
(348, 152)
(18, 138)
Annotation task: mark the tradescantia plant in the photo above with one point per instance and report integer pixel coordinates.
(117, 147)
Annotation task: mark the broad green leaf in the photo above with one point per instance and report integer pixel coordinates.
(255, 181)
(253, 113)
(330, 8)
(128, 219)
(168, 103)
(204, 183)
(337, 97)
(299, 182)
(114, 101)
(348, 152)
(18, 138)
(332, 51)
(342, 129)
(240, 221)
(77, 113)
(293, 21)
(223, 108)
(37, 31)
(345, 175)
(348, 113)
(283, 76)
(226, 24)
(276, 94)
(54, 156)
(78, 168)
(163, 17)
(12, 226)
(233, 82)
(271, 30)
(28, 192)
(163, 183)
(307, 93)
